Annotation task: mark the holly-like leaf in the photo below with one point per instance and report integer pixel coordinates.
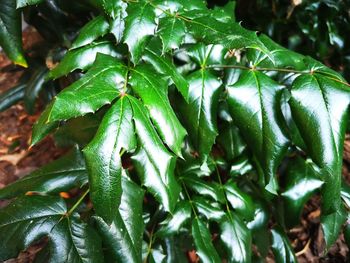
(301, 182)
(82, 58)
(123, 238)
(255, 108)
(172, 31)
(236, 238)
(153, 161)
(165, 66)
(319, 108)
(211, 210)
(117, 25)
(202, 240)
(199, 115)
(139, 26)
(11, 32)
(34, 85)
(12, 96)
(281, 247)
(99, 86)
(153, 91)
(174, 222)
(239, 200)
(60, 175)
(96, 28)
(30, 218)
(103, 161)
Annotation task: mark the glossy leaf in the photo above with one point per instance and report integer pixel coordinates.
(117, 25)
(103, 161)
(165, 66)
(239, 200)
(11, 32)
(199, 115)
(139, 25)
(326, 115)
(281, 247)
(153, 91)
(236, 238)
(174, 222)
(33, 217)
(99, 86)
(153, 161)
(202, 240)
(11, 96)
(301, 182)
(212, 211)
(123, 238)
(96, 28)
(82, 58)
(254, 105)
(34, 85)
(172, 32)
(61, 175)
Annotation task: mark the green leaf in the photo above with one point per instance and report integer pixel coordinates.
(23, 3)
(11, 96)
(211, 210)
(91, 31)
(11, 32)
(281, 247)
(82, 58)
(60, 175)
(33, 217)
(204, 188)
(123, 238)
(153, 161)
(332, 225)
(111, 7)
(239, 200)
(202, 240)
(34, 85)
(98, 87)
(174, 222)
(254, 99)
(231, 35)
(139, 25)
(199, 115)
(236, 238)
(174, 253)
(165, 66)
(319, 108)
(172, 32)
(103, 158)
(117, 25)
(154, 94)
(301, 183)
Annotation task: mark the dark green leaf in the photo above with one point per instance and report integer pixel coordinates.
(11, 32)
(99, 86)
(117, 25)
(332, 225)
(82, 58)
(34, 85)
(174, 222)
(153, 161)
(236, 238)
(165, 66)
(23, 3)
(139, 25)
(172, 32)
(301, 182)
(60, 175)
(211, 210)
(103, 161)
(255, 109)
(281, 247)
(11, 96)
(153, 91)
(96, 28)
(199, 115)
(33, 217)
(239, 200)
(123, 238)
(320, 110)
(202, 240)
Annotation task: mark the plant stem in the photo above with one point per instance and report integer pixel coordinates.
(78, 203)
(189, 198)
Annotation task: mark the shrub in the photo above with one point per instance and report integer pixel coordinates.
(187, 131)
